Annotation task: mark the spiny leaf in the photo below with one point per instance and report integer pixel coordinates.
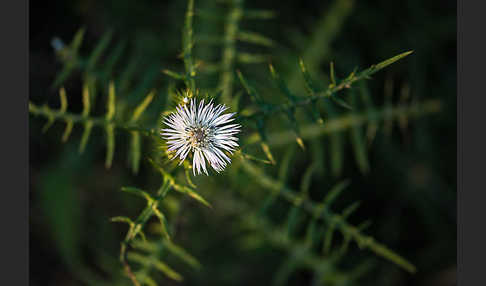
(335, 192)
(350, 209)
(285, 164)
(293, 220)
(310, 84)
(328, 237)
(63, 98)
(182, 254)
(373, 69)
(84, 139)
(259, 14)
(306, 180)
(167, 270)
(253, 158)
(142, 106)
(147, 280)
(50, 121)
(358, 143)
(135, 152)
(334, 220)
(336, 145)
(192, 193)
(138, 192)
(98, 50)
(71, 59)
(250, 90)
(371, 111)
(159, 265)
(67, 131)
(163, 223)
(174, 74)
(254, 38)
(267, 152)
(86, 101)
(110, 63)
(110, 128)
(332, 74)
(110, 145)
(281, 84)
(247, 58)
(341, 102)
(110, 106)
(122, 219)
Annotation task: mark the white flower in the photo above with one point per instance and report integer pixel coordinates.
(204, 131)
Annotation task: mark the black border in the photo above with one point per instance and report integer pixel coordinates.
(15, 152)
(471, 155)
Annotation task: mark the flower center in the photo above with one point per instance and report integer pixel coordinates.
(197, 136)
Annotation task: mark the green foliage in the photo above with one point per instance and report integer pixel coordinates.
(325, 114)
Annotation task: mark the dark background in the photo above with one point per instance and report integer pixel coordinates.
(410, 194)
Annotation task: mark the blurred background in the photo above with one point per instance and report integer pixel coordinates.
(409, 192)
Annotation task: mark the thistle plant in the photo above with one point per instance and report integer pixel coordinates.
(202, 130)
(236, 127)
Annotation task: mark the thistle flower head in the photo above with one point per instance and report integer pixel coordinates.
(203, 130)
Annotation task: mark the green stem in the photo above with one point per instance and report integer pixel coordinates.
(187, 42)
(229, 50)
(53, 114)
(348, 121)
(323, 211)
